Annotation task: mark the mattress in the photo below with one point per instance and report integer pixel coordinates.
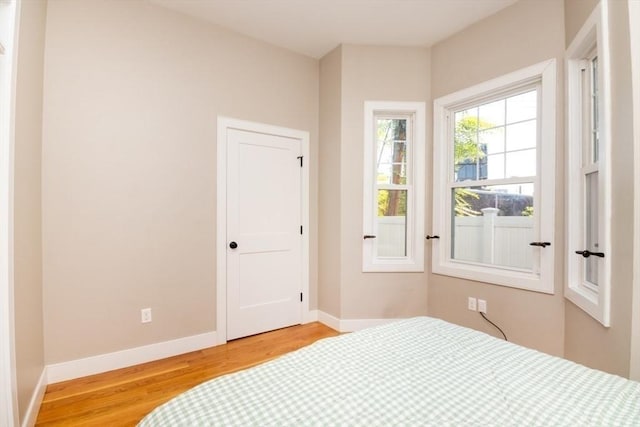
(413, 372)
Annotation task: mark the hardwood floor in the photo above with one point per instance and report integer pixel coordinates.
(123, 397)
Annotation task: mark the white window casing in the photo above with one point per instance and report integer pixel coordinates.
(540, 277)
(373, 257)
(589, 43)
(9, 23)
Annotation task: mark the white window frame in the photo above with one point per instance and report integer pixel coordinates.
(541, 278)
(414, 261)
(594, 300)
(9, 25)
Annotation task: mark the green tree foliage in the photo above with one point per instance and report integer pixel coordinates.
(392, 201)
(466, 148)
(528, 211)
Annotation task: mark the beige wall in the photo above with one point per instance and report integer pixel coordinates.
(587, 341)
(372, 73)
(526, 33)
(330, 228)
(575, 13)
(349, 76)
(132, 92)
(27, 198)
(131, 96)
(634, 29)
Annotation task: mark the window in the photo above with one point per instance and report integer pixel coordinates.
(394, 186)
(588, 201)
(494, 171)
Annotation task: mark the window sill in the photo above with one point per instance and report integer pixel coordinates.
(495, 276)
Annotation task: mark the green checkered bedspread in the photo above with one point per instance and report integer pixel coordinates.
(413, 372)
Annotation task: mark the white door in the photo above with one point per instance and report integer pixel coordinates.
(264, 235)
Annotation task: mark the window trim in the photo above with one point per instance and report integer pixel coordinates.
(592, 36)
(414, 262)
(10, 20)
(541, 280)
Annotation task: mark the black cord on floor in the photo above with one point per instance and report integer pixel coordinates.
(496, 326)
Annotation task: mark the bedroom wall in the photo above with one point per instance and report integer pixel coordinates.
(586, 340)
(374, 73)
(349, 76)
(131, 96)
(526, 33)
(330, 228)
(29, 339)
(576, 13)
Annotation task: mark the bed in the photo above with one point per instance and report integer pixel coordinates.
(420, 371)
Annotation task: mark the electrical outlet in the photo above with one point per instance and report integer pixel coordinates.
(472, 304)
(145, 315)
(482, 306)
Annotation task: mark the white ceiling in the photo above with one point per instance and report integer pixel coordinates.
(315, 27)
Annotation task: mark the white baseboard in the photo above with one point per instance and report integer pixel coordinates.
(31, 415)
(350, 325)
(329, 320)
(133, 356)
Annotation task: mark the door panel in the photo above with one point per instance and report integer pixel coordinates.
(264, 272)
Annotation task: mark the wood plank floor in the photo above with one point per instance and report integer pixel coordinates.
(123, 397)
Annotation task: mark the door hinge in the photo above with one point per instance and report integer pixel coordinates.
(300, 158)
(300, 296)
(300, 229)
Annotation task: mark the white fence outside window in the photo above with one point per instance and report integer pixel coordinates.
(488, 239)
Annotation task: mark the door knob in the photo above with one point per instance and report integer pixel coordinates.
(233, 245)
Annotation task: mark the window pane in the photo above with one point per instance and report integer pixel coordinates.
(494, 167)
(391, 164)
(392, 173)
(492, 140)
(392, 223)
(384, 174)
(469, 150)
(521, 163)
(522, 107)
(493, 225)
(521, 135)
(594, 109)
(466, 149)
(484, 148)
(492, 114)
(591, 217)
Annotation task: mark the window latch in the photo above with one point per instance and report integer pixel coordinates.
(587, 253)
(369, 236)
(541, 244)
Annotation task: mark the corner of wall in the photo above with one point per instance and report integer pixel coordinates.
(31, 414)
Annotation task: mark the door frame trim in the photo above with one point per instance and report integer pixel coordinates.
(224, 124)
(9, 408)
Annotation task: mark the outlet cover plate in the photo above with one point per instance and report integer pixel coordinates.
(145, 315)
(482, 306)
